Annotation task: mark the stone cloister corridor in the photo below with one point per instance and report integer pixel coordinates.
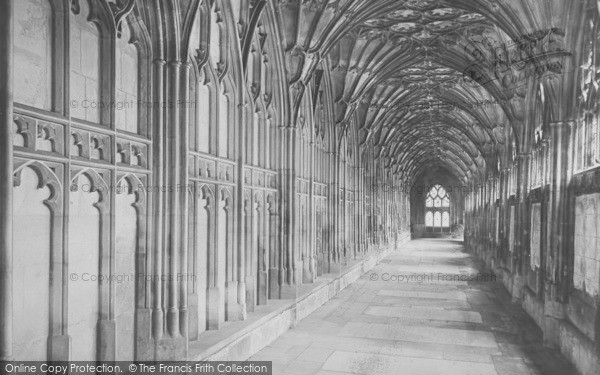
(450, 315)
(217, 180)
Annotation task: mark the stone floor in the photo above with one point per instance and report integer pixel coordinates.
(412, 314)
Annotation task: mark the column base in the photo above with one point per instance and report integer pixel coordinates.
(241, 293)
(335, 268)
(215, 311)
(274, 288)
(250, 293)
(517, 289)
(193, 317)
(289, 291)
(184, 322)
(320, 262)
(173, 322)
(297, 280)
(234, 309)
(171, 349)
(554, 312)
(144, 342)
(157, 323)
(59, 348)
(107, 348)
(307, 277)
(262, 289)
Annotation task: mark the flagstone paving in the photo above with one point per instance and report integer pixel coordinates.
(426, 309)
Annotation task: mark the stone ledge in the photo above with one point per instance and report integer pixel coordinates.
(240, 340)
(533, 306)
(579, 349)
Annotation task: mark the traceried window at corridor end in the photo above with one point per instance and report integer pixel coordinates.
(437, 208)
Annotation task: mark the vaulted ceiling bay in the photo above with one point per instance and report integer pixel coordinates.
(432, 83)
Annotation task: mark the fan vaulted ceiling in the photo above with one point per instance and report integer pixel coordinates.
(431, 83)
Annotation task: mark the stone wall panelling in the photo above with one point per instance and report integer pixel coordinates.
(586, 272)
(535, 239)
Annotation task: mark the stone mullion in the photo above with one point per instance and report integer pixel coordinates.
(6, 178)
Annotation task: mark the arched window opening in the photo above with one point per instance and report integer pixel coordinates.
(437, 209)
(126, 69)
(33, 53)
(85, 66)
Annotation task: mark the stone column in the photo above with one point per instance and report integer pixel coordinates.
(341, 210)
(358, 197)
(168, 214)
(183, 150)
(524, 212)
(240, 225)
(555, 283)
(173, 162)
(334, 216)
(288, 269)
(558, 201)
(505, 254)
(158, 204)
(308, 274)
(275, 264)
(521, 226)
(329, 216)
(6, 173)
(274, 282)
(360, 210)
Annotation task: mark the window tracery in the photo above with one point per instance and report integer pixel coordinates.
(437, 205)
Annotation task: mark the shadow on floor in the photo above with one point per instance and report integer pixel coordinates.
(428, 308)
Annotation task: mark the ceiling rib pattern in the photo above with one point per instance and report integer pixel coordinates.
(431, 83)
